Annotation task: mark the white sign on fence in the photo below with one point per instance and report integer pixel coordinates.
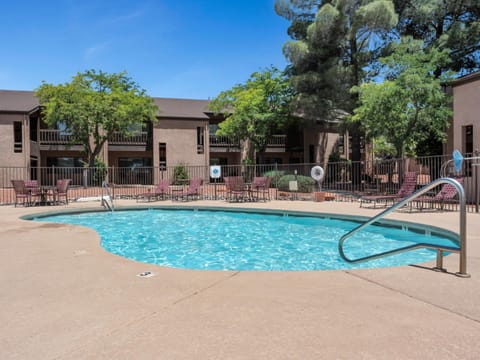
(215, 171)
(293, 185)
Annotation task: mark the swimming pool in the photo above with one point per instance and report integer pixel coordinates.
(226, 240)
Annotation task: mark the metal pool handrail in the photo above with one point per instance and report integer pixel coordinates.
(462, 242)
(443, 168)
(105, 203)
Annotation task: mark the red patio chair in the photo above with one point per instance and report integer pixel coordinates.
(406, 189)
(60, 190)
(446, 195)
(160, 191)
(237, 191)
(193, 191)
(21, 193)
(261, 186)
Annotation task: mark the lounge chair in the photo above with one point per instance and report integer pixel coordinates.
(193, 190)
(261, 186)
(406, 189)
(21, 193)
(446, 195)
(161, 191)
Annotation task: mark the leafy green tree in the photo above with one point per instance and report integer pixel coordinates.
(411, 103)
(337, 51)
(444, 24)
(94, 106)
(255, 110)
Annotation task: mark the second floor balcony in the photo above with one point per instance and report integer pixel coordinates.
(275, 141)
(138, 138)
(59, 137)
(223, 142)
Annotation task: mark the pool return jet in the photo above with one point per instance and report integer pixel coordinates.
(461, 242)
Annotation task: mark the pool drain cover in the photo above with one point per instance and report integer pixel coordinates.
(145, 274)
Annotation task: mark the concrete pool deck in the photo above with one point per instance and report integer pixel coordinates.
(64, 297)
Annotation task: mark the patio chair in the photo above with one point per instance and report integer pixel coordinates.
(60, 190)
(236, 189)
(21, 193)
(160, 191)
(32, 187)
(193, 191)
(261, 186)
(446, 195)
(406, 189)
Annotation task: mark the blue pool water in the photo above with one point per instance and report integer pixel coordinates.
(222, 240)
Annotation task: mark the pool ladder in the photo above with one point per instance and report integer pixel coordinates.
(107, 201)
(462, 241)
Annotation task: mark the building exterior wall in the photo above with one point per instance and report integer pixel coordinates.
(323, 142)
(180, 137)
(9, 157)
(466, 111)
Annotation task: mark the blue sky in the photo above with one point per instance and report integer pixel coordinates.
(172, 48)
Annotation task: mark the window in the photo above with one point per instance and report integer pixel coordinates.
(212, 129)
(468, 139)
(273, 160)
(311, 153)
(468, 147)
(162, 156)
(61, 126)
(34, 128)
(33, 168)
(219, 161)
(134, 162)
(17, 137)
(135, 170)
(341, 144)
(200, 140)
(76, 162)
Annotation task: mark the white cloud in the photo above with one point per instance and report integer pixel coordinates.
(125, 18)
(94, 51)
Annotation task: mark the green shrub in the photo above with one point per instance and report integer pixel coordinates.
(99, 171)
(275, 175)
(180, 174)
(305, 183)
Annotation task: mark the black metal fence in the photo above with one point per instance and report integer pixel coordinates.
(345, 180)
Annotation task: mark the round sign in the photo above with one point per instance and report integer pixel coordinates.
(317, 173)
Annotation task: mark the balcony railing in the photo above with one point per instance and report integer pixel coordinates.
(223, 141)
(226, 141)
(277, 141)
(58, 137)
(139, 138)
(55, 137)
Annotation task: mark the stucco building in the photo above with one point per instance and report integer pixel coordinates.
(184, 134)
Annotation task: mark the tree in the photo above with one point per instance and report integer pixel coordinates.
(444, 24)
(411, 104)
(301, 13)
(94, 106)
(255, 110)
(337, 52)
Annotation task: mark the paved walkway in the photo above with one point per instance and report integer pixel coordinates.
(63, 297)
